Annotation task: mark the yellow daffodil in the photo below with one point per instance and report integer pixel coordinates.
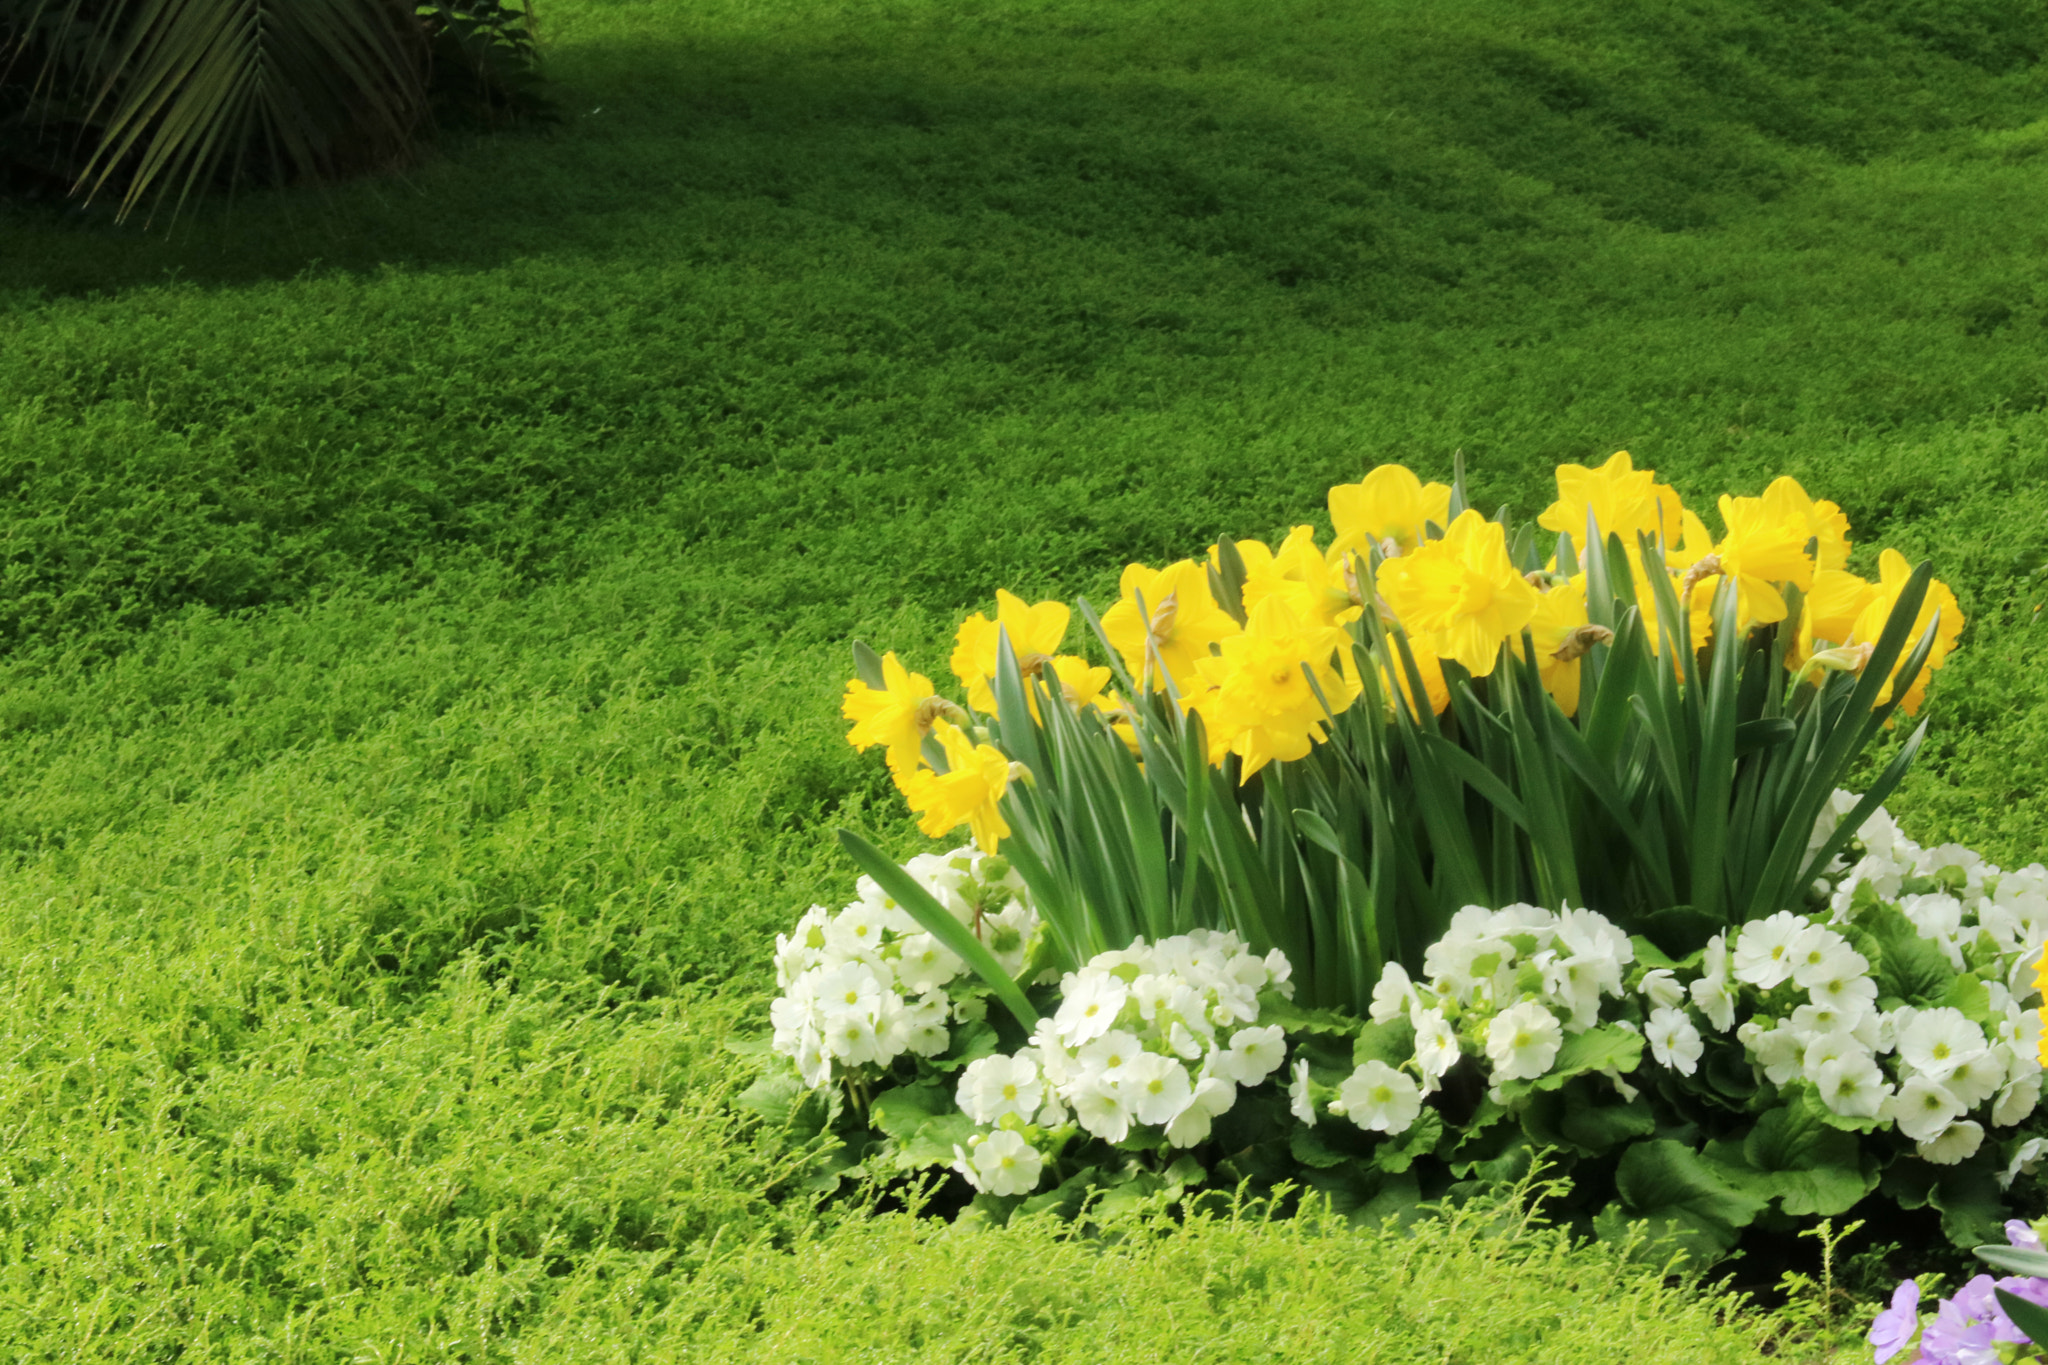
(1437, 691)
(1035, 635)
(977, 777)
(1258, 702)
(1080, 682)
(1388, 508)
(1621, 499)
(896, 715)
(1822, 521)
(1562, 635)
(1310, 580)
(1764, 547)
(1829, 614)
(1893, 572)
(1179, 622)
(1462, 595)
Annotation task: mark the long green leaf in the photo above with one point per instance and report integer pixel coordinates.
(940, 923)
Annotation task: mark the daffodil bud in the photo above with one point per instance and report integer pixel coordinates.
(1020, 773)
(935, 708)
(1580, 640)
(1707, 567)
(1840, 659)
(1162, 616)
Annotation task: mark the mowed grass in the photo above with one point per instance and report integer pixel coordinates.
(426, 602)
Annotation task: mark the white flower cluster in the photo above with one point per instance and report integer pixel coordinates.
(867, 984)
(1973, 903)
(1515, 980)
(1159, 1035)
(1924, 1070)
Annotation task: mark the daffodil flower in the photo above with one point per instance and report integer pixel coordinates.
(1036, 632)
(1461, 595)
(896, 715)
(1389, 509)
(967, 793)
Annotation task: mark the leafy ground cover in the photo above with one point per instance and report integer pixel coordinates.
(426, 604)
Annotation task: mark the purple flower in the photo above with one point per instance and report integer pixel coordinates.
(1962, 1332)
(2022, 1235)
(1895, 1327)
(2034, 1291)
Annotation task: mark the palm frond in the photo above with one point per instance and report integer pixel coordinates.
(318, 85)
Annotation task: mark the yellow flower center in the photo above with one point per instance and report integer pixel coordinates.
(1475, 595)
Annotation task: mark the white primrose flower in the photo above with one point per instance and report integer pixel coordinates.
(1099, 1108)
(1711, 994)
(2017, 1100)
(1822, 1017)
(1436, 1047)
(1103, 1061)
(925, 965)
(1852, 1085)
(1253, 1055)
(850, 988)
(1393, 995)
(1522, 1041)
(991, 1087)
(1000, 1163)
(1936, 1041)
(1662, 989)
(1975, 1079)
(922, 1025)
(1380, 1099)
(2024, 1158)
(1822, 1048)
(1090, 1004)
(1922, 1109)
(1280, 973)
(1767, 948)
(1155, 1088)
(1939, 918)
(855, 933)
(1824, 955)
(1780, 1051)
(1299, 1101)
(1213, 1096)
(1674, 1041)
(1845, 990)
(1575, 985)
(1957, 1142)
(1877, 871)
(852, 1040)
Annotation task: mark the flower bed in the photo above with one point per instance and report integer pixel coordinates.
(1276, 911)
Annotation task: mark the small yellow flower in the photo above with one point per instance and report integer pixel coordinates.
(1829, 614)
(1311, 581)
(1462, 595)
(1622, 500)
(1259, 703)
(977, 777)
(1388, 508)
(1764, 547)
(1562, 634)
(897, 715)
(1183, 618)
(1080, 682)
(1035, 633)
(1822, 520)
(1893, 572)
(1437, 691)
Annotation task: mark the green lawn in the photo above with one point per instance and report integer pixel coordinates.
(426, 602)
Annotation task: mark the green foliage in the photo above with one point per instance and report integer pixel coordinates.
(223, 91)
(424, 617)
